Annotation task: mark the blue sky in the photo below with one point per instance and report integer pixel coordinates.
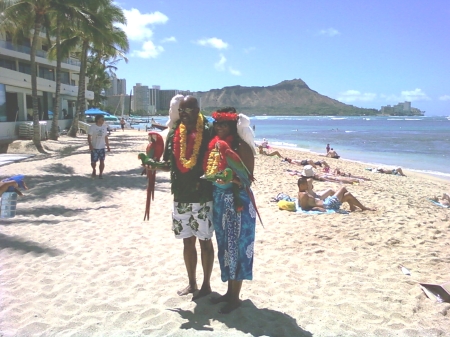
(365, 53)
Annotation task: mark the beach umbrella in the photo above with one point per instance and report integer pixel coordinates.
(96, 111)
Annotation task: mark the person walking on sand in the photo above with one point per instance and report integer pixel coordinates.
(122, 124)
(97, 140)
(308, 202)
(328, 148)
(234, 216)
(186, 144)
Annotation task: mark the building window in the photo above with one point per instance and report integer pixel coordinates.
(46, 73)
(44, 47)
(72, 82)
(25, 68)
(8, 64)
(65, 77)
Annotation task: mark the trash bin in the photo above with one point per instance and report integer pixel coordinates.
(8, 203)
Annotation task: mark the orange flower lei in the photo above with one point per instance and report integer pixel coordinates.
(190, 163)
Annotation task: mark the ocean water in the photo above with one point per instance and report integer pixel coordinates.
(414, 143)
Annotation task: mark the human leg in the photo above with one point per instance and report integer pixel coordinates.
(233, 301)
(325, 194)
(274, 153)
(353, 202)
(101, 168)
(445, 200)
(101, 157)
(207, 256)
(400, 171)
(94, 159)
(190, 261)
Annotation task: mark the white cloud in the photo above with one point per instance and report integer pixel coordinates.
(137, 29)
(213, 42)
(149, 50)
(445, 98)
(414, 95)
(407, 95)
(169, 39)
(220, 65)
(355, 95)
(137, 24)
(329, 32)
(234, 71)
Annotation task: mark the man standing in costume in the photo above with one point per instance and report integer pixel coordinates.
(186, 145)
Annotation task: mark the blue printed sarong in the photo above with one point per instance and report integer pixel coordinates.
(235, 233)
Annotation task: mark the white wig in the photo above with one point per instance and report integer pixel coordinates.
(174, 115)
(245, 131)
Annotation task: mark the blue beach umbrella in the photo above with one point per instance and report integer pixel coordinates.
(96, 111)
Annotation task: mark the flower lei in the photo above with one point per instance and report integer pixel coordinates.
(212, 163)
(179, 146)
(225, 116)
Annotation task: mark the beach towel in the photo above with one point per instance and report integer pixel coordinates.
(438, 204)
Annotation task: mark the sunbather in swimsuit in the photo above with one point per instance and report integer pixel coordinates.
(332, 203)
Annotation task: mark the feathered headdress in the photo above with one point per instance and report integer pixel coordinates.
(174, 115)
(244, 130)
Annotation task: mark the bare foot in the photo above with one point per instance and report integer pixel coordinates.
(94, 174)
(187, 290)
(220, 299)
(229, 307)
(203, 292)
(100, 177)
(368, 209)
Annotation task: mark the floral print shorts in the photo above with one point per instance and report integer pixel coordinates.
(192, 219)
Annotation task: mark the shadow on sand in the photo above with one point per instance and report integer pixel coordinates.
(248, 319)
(16, 243)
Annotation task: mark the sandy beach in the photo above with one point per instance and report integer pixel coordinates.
(78, 259)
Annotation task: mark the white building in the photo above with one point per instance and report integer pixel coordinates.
(15, 86)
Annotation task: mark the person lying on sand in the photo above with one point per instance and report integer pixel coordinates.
(308, 172)
(274, 153)
(395, 171)
(338, 172)
(444, 200)
(308, 162)
(309, 203)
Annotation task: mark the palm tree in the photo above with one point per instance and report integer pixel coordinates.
(101, 68)
(62, 17)
(102, 34)
(22, 17)
(25, 16)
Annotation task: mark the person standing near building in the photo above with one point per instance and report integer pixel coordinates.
(97, 140)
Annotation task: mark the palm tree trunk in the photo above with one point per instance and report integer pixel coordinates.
(54, 130)
(81, 101)
(36, 126)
